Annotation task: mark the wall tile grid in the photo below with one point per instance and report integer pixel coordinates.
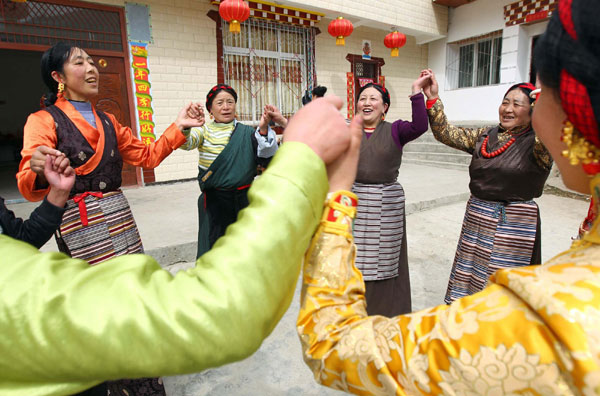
(399, 72)
(183, 68)
(182, 63)
(421, 15)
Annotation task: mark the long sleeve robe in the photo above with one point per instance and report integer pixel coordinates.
(40, 130)
(534, 330)
(66, 326)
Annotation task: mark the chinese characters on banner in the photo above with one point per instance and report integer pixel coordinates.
(143, 99)
(350, 94)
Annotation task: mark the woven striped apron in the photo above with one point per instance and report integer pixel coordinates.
(110, 230)
(378, 229)
(494, 235)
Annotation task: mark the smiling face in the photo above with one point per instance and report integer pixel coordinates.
(223, 107)
(370, 105)
(79, 75)
(515, 110)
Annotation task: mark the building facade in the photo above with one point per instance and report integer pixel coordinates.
(156, 55)
(488, 47)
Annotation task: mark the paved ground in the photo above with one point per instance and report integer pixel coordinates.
(436, 197)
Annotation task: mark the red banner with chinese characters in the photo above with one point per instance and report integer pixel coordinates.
(143, 98)
(350, 94)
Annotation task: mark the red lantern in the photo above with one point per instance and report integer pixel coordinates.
(234, 12)
(394, 40)
(340, 28)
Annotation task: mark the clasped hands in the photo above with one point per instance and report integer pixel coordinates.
(321, 126)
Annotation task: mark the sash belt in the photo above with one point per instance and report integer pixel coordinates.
(80, 200)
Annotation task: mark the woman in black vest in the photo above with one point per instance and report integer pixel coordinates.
(380, 226)
(98, 223)
(510, 165)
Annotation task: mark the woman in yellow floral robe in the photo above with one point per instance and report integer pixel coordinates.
(534, 330)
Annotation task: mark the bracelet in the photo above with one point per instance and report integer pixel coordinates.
(430, 102)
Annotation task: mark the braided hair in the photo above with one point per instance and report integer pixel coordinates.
(567, 57)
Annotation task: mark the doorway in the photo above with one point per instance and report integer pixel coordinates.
(22, 89)
(29, 28)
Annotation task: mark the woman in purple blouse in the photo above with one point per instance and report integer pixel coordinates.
(380, 226)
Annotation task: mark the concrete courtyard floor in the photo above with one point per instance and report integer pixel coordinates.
(436, 198)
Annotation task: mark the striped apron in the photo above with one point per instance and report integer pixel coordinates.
(494, 235)
(379, 229)
(99, 227)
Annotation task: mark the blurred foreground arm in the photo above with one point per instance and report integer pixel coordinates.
(67, 326)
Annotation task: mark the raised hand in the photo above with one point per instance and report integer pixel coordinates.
(276, 115)
(263, 124)
(342, 171)
(190, 116)
(61, 178)
(320, 126)
(38, 159)
(431, 88)
(423, 80)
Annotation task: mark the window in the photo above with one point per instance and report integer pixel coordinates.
(39, 23)
(474, 62)
(268, 63)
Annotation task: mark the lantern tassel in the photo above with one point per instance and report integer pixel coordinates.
(395, 52)
(234, 26)
(339, 40)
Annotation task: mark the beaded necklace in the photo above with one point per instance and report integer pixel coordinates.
(502, 149)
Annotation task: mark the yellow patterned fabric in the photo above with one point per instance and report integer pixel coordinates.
(533, 331)
(67, 326)
(465, 139)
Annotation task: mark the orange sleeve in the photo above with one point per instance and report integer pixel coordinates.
(39, 131)
(135, 152)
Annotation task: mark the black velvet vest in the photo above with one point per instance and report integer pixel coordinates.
(514, 175)
(380, 157)
(107, 175)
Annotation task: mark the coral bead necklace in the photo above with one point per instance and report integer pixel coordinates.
(502, 149)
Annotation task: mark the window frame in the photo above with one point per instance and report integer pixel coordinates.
(454, 61)
(305, 60)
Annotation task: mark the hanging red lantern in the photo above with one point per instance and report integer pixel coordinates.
(394, 40)
(340, 28)
(234, 12)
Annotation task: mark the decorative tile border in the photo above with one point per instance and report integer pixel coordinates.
(278, 13)
(527, 11)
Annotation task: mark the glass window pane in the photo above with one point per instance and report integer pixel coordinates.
(484, 56)
(496, 60)
(46, 23)
(465, 66)
(277, 71)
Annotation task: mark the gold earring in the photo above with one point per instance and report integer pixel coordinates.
(61, 87)
(211, 116)
(578, 149)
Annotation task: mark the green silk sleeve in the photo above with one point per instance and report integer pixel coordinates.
(66, 326)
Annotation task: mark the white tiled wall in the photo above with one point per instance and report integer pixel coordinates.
(399, 72)
(183, 64)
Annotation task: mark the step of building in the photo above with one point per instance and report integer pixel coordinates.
(431, 147)
(437, 164)
(453, 158)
